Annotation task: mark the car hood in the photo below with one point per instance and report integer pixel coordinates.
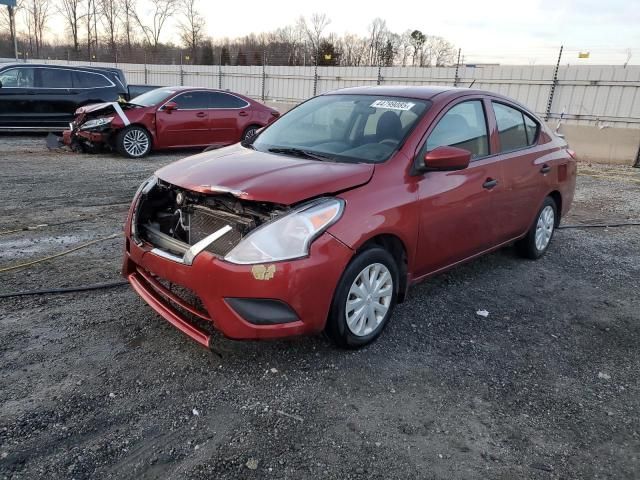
(265, 177)
(106, 107)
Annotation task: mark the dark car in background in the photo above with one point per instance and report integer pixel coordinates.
(168, 117)
(45, 97)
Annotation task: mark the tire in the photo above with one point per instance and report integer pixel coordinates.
(133, 141)
(249, 132)
(344, 326)
(537, 240)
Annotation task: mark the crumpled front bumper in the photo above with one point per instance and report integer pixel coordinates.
(70, 136)
(305, 286)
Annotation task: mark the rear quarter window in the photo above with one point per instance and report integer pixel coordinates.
(89, 80)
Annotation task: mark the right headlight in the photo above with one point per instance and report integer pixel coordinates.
(288, 237)
(95, 123)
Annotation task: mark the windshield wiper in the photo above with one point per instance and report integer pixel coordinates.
(299, 152)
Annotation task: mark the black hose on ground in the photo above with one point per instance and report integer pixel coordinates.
(50, 291)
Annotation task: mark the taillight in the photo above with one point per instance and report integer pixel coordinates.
(572, 154)
(275, 114)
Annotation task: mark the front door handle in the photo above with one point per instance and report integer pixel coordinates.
(201, 114)
(490, 183)
(545, 168)
(243, 113)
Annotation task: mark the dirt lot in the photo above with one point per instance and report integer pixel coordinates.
(95, 385)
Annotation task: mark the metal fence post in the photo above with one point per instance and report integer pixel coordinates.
(264, 73)
(181, 71)
(219, 77)
(379, 73)
(553, 86)
(146, 73)
(456, 78)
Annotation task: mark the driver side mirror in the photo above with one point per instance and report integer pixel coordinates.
(170, 107)
(445, 158)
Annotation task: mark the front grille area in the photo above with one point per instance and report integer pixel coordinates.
(203, 222)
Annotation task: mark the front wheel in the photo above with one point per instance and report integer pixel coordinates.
(538, 238)
(364, 299)
(133, 142)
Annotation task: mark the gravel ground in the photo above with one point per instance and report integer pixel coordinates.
(95, 385)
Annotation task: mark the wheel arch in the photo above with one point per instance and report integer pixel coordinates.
(557, 198)
(396, 247)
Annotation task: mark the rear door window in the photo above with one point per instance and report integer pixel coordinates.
(21, 77)
(192, 101)
(89, 80)
(224, 100)
(511, 127)
(55, 78)
(463, 126)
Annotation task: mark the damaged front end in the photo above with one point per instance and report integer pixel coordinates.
(93, 126)
(180, 224)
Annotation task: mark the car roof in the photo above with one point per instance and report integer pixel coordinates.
(87, 68)
(408, 91)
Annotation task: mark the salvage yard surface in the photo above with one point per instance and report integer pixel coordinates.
(95, 385)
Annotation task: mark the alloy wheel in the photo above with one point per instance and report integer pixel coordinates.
(250, 133)
(369, 299)
(544, 227)
(136, 142)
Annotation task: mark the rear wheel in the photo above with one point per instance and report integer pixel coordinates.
(538, 238)
(133, 141)
(250, 131)
(364, 299)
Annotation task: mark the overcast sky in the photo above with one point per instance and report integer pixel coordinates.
(497, 31)
(500, 29)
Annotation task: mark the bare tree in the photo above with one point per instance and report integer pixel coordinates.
(37, 14)
(8, 19)
(314, 29)
(70, 10)
(377, 40)
(162, 11)
(442, 52)
(191, 27)
(109, 15)
(87, 18)
(404, 48)
(127, 7)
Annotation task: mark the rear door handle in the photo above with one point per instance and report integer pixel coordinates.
(243, 113)
(545, 168)
(201, 114)
(490, 183)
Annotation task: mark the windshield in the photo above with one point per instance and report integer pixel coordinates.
(153, 97)
(345, 128)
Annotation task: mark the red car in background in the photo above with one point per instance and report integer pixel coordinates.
(168, 117)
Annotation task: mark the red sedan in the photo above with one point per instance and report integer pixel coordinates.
(172, 117)
(324, 219)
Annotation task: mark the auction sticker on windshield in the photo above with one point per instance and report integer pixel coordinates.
(393, 105)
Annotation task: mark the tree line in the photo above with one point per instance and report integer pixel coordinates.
(136, 31)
